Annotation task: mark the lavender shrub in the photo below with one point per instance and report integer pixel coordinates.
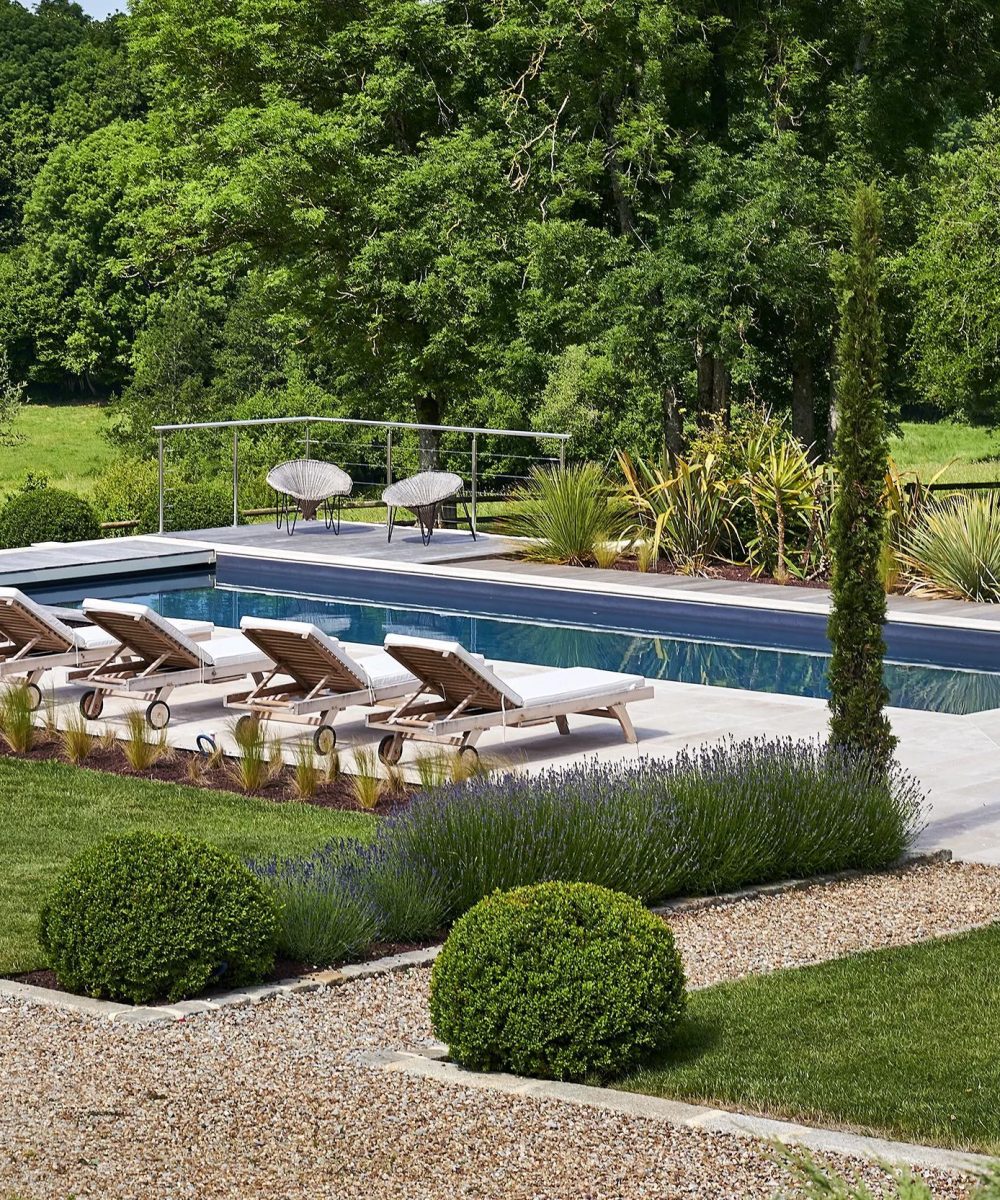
(709, 820)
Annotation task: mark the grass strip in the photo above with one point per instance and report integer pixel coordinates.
(50, 811)
(899, 1043)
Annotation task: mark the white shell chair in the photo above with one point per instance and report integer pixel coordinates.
(308, 484)
(423, 494)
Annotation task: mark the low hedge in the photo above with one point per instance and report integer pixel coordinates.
(190, 506)
(558, 980)
(46, 515)
(155, 917)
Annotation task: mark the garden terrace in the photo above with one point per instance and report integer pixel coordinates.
(112, 1106)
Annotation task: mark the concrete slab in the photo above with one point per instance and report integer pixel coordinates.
(366, 542)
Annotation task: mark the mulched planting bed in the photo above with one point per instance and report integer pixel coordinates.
(731, 571)
(178, 768)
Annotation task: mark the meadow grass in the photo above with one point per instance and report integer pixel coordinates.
(62, 441)
(898, 1043)
(926, 446)
(49, 812)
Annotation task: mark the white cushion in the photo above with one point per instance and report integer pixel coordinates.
(90, 637)
(381, 671)
(570, 684)
(235, 651)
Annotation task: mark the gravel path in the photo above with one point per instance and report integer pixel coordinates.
(808, 925)
(271, 1101)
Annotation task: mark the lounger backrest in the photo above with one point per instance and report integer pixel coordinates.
(306, 653)
(22, 621)
(452, 672)
(146, 634)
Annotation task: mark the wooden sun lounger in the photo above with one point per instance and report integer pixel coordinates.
(36, 639)
(324, 677)
(461, 697)
(151, 657)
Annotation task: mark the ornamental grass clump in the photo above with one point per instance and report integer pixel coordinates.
(560, 980)
(952, 549)
(154, 917)
(17, 717)
(567, 512)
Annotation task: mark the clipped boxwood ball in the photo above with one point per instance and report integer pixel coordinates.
(558, 980)
(46, 515)
(155, 917)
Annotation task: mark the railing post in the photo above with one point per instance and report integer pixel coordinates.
(475, 471)
(562, 454)
(159, 458)
(388, 457)
(308, 441)
(236, 477)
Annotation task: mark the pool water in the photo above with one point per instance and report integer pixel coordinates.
(685, 659)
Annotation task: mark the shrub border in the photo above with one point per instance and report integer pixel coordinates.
(162, 1014)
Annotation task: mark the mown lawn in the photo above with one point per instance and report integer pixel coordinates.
(926, 447)
(901, 1043)
(62, 441)
(51, 811)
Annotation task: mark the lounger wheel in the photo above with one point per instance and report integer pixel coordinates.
(246, 726)
(469, 754)
(157, 714)
(92, 705)
(390, 749)
(34, 695)
(324, 739)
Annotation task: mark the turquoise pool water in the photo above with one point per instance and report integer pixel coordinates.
(684, 658)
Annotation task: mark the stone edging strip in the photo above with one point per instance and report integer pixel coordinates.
(432, 1065)
(160, 1014)
(163, 1014)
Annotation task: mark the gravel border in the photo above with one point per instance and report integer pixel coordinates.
(433, 1064)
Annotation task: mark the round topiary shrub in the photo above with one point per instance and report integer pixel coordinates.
(559, 980)
(154, 917)
(191, 506)
(46, 515)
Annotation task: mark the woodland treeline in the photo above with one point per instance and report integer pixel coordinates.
(616, 217)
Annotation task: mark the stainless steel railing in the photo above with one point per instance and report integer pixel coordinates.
(474, 453)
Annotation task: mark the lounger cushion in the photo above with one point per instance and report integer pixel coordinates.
(570, 684)
(383, 671)
(234, 651)
(90, 637)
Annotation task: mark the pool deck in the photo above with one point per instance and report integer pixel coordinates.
(956, 758)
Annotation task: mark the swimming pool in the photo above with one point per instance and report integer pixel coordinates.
(758, 649)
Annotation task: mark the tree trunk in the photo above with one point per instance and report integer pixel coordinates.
(803, 414)
(671, 421)
(428, 440)
(713, 385)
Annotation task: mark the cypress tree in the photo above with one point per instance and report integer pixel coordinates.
(860, 454)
